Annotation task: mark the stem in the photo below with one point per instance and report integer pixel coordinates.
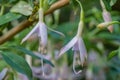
(81, 23)
(41, 14)
(2, 10)
(114, 22)
(103, 5)
(41, 3)
(82, 11)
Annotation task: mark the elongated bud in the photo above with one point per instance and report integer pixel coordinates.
(107, 24)
(107, 18)
(103, 25)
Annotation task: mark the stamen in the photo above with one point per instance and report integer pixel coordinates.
(74, 63)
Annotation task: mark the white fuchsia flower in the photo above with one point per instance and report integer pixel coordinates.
(41, 30)
(77, 44)
(78, 47)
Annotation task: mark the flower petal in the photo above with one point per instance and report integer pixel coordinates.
(75, 47)
(3, 73)
(68, 46)
(30, 33)
(82, 49)
(43, 34)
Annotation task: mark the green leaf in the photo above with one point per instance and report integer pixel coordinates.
(112, 2)
(112, 54)
(105, 35)
(31, 54)
(8, 17)
(18, 63)
(119, 52)
(22, 7)
(107, 4)
(31, 3)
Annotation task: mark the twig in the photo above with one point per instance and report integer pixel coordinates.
(27, 23)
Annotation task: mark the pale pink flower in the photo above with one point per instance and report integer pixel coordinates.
(77, 46)
(41, 30)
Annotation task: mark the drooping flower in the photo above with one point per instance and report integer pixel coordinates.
(41, 30)
(78, 47)
(77, 44)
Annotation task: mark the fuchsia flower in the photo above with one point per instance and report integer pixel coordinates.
(41, 30)
(78, 47)
(77, 44)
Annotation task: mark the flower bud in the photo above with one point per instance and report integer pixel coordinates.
(107, 18)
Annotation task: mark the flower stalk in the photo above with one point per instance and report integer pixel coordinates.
(81, 23)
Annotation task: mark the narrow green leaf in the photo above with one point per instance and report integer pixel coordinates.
(22, 7)
(112, 54)
(18, 63)
(8, 17)
(106, 35)
(32, 54)
(119, 52)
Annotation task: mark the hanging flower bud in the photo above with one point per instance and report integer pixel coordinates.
(107, 24)
(107, 18)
